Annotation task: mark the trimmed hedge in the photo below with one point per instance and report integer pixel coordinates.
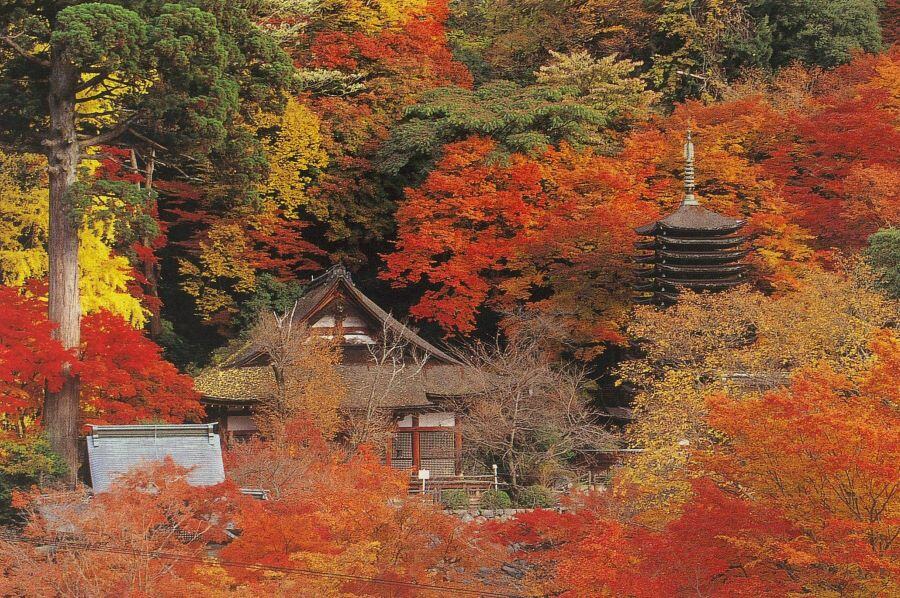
(455, 499)
(495, 499)
(536, 497)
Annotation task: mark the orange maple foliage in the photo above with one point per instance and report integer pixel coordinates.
(78, 545)
(554, 233)
(346, 517)
(825, 452)
(844, 140)
(124, 377)
(29, 357)
(801, 496)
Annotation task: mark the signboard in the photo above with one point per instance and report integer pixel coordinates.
(424, 474)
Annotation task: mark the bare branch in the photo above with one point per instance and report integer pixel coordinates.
(95, 80)
(108, 135)
(527, 412)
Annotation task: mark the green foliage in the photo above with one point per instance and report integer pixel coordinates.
(179, 73)
(270, 294)
(495, 499)
(687, 44)
(536, 497)
(105, 35)
(25, 462)
(821, 32)
(509, 39)
(455, 499)
(524, 119)
(883, 254)
(607, 84)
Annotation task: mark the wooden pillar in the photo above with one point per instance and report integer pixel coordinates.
(417, 462)
(222, 416)
(457, 446)
(389, 449)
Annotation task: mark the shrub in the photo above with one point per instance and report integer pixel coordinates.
(495, 499)
(536, 497)
(25, 462)
(883, 255)
(455, 499)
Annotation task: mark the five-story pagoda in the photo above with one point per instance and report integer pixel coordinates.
(692, 248)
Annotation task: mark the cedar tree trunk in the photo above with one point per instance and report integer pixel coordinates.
(61, 408)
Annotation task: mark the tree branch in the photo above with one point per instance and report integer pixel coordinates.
(109, 135)
(147, 140)
(92, 81)
(24, 54)
(97, 96)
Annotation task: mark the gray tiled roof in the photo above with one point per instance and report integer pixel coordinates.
(114, 450)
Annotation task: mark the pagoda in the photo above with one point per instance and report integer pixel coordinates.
(691, 248)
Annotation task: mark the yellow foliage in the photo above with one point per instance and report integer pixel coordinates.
(294, 153)
(752, 344)
(23, 237)
(669, 423)
(223, 265)
(305, 378)
(105, 277)
(369, 16)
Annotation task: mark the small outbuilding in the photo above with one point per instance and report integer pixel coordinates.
(114, 450)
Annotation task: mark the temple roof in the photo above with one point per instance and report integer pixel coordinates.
(691, 218)
(244, 376)
(320, 292)
(418, 388)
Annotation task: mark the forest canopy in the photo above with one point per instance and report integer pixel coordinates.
(169, 171)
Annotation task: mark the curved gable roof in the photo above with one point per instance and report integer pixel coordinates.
(319, 293)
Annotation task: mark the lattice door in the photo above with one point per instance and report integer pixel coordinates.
(402, 453)
(437, 451)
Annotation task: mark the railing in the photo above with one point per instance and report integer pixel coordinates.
(473, 485)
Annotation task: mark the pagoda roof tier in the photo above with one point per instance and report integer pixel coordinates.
(696, 243)
(692, 218)
(655, 298)
(700, 241)
(716, 256)
(645, 286)
(712, 283)
(704, 268)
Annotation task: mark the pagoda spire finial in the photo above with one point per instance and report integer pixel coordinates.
(689, 198)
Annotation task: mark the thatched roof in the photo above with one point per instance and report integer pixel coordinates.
(320, 292)
(244, 377)
(413, 387)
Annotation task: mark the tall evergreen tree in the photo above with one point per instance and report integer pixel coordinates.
(75, 74)
(822, 32)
